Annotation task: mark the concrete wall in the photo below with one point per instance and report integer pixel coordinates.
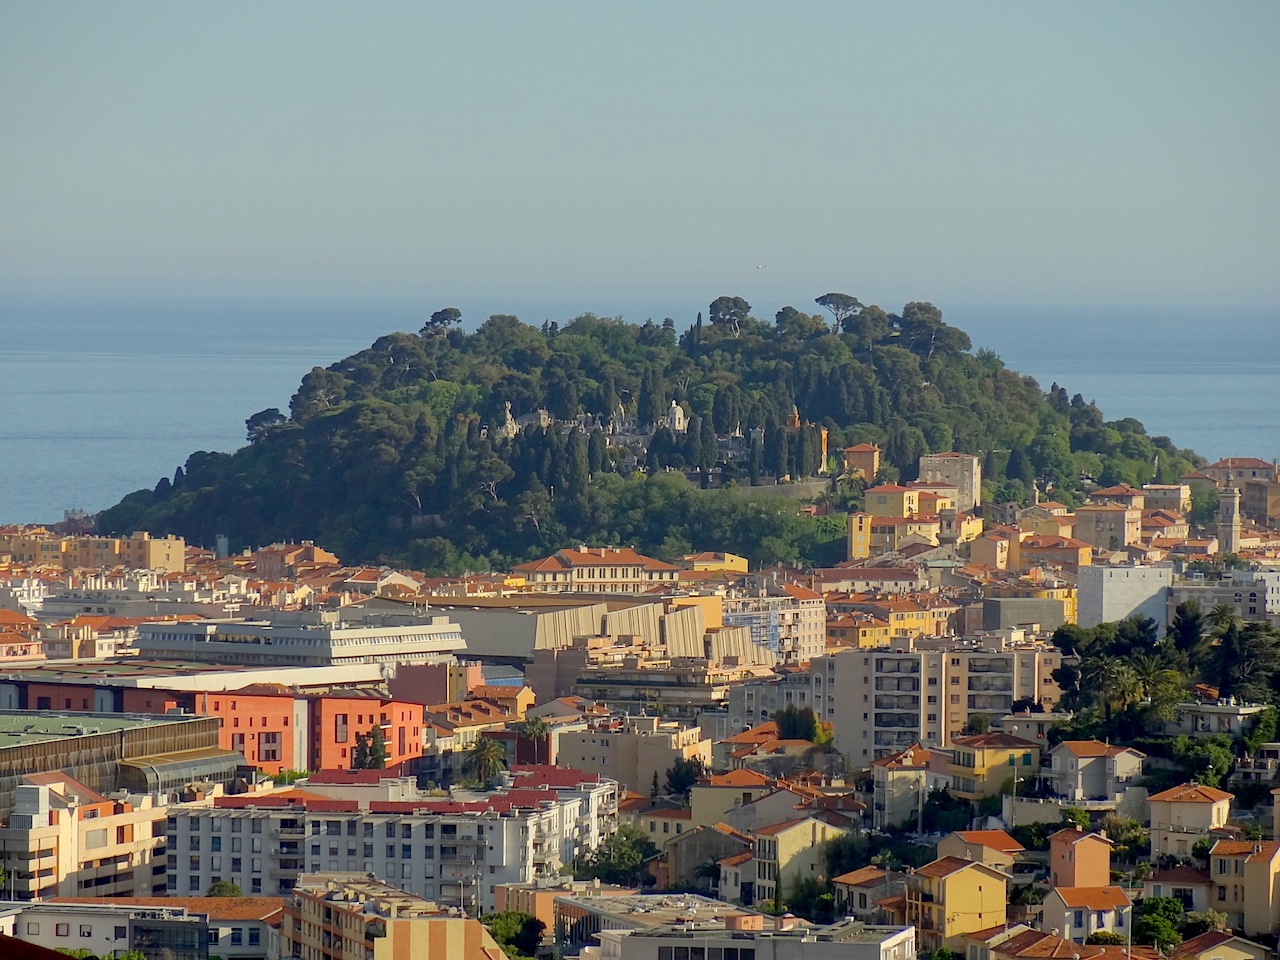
(1114, 593)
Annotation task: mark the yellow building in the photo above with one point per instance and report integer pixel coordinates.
(949, 898)
(861, 630)
(995, 848)
(858, 546)
(862, 460)
(893, 533)
(348, 915)
(892, 500)
(711, 800)
(64, 839)
(713, 563)
(1067, 553)
(1246, 875)
(982, 764)
(789, 851)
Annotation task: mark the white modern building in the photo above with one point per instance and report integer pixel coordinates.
(454, 851)
(233, 928)
(1107, 594)
(305, 639)
(777, 939)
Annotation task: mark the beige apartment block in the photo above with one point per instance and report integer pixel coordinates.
(634, 751)
(64, 839)
(352, 916)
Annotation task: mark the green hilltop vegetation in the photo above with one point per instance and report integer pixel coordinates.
(405, 453)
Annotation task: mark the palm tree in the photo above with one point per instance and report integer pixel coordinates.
(1113, 684)
(535, 730)
(485, 758)
(1223, 617)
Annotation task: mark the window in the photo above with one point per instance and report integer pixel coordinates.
(62, 929)
(86, 930)
(1077, 919)
(255, 936)
(237, 936)
(33, 929)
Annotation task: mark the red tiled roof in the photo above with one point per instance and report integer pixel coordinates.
(996, 839)
(1253, 852)
(863, 876)
(944, 867)
(776, 828)
(1092, 898)
(739, 778)
(994, 739)
(1191, 793)
(1095, 748)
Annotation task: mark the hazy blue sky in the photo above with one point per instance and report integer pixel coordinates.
(960, 152)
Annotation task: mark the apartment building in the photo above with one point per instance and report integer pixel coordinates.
(304, 639)
(790, 851)
(1252, 594)
(1183, 815)
(1246, 884)
(883, 701)
(755, 702)
(787, 618)
(452, 850)
(779, 938)
(235, 928)
(634, 750)
(105, 929)
(597, 570)
(64, 839)
(350, 915)
(948, 898)
(982, 764)
(36, 546)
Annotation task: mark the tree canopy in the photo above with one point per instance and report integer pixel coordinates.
(403, 452)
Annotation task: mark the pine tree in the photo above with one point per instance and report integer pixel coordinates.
(377, 749)
(360, 755)
(597, 452)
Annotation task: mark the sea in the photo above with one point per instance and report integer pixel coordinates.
(103, 396)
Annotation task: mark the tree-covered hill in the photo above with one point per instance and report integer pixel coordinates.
(405, 452)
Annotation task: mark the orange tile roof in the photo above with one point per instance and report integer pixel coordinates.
(1253, 852)
(863, 876)
(910, 758)
(597, 557)
(739, 778)
(1197, 945)
(1092, 898)
(994, 739)
(995, 839)
(737, 859)
(1095, 748)
(776, 828)
(944, 867)
(1191, 793)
